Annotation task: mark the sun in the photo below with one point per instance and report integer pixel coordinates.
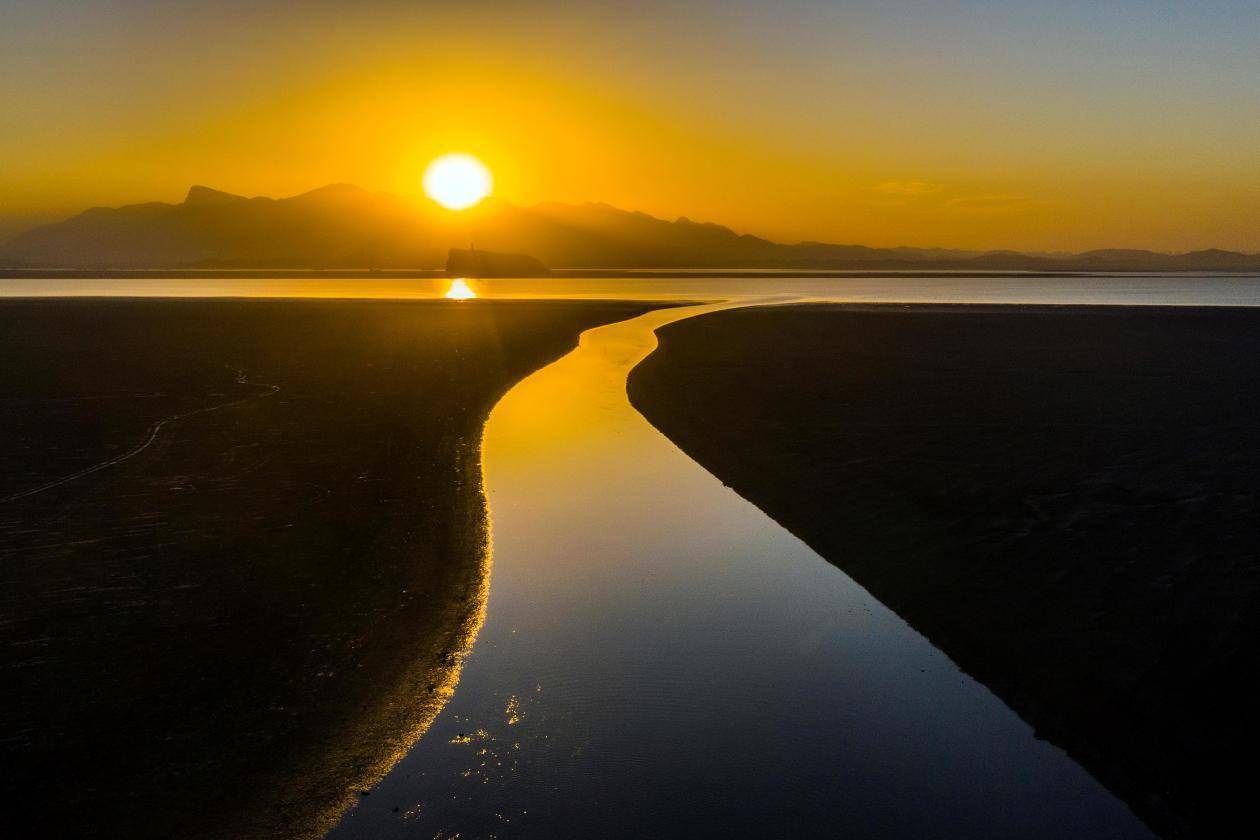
(457, 181)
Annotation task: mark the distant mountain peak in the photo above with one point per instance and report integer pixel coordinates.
(344, 225)
(1217, 252)
(197, 194)
(335, 193)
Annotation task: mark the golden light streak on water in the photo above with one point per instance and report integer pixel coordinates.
(459, 290)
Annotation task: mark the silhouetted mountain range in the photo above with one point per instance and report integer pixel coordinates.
(343, 226)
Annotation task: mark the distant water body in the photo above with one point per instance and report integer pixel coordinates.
(1145, 289)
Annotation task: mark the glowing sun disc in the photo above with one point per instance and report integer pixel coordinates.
(459, 290)
(457, 181)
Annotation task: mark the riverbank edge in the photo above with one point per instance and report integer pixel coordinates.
(657, 401)
(406, 708)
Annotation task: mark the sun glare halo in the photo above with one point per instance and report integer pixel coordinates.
(457, 181)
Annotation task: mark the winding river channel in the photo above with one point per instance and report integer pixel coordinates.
(660, 658)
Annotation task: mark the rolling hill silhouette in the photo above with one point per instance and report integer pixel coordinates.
(344, 226)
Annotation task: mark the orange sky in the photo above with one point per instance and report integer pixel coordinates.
(960, 124)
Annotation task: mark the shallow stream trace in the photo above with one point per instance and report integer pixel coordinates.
(659, 657)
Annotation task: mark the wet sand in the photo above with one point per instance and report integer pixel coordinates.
(241, 548)
(1063, 499)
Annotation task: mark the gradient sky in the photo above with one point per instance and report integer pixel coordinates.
(1031, 125)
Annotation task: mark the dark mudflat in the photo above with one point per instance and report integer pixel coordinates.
(266, 542)
(1066, 500)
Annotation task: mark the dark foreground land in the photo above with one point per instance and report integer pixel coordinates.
(1064, 499)
(232, 629)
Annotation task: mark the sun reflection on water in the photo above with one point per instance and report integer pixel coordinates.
(459, 290)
